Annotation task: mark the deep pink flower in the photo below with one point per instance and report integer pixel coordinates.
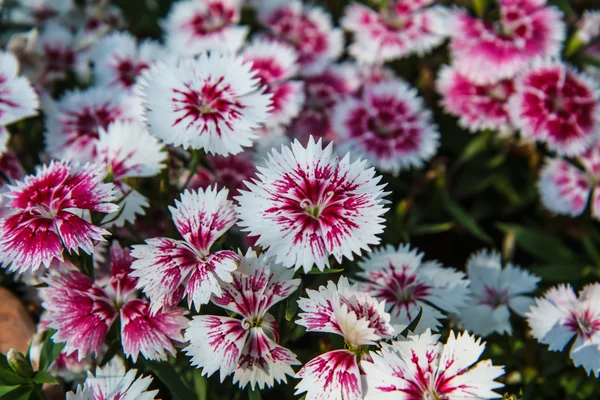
(477, 106)
(170, 269)
(309, 29)
(557, 105)
(389, 126)
(487, 52)
(405, 27)
(44, 222)
(247, 348)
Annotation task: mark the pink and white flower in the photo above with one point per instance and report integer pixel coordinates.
(229, 172)
(561, 315)
(129, 151)
(194, 27)
(389, 126)
(588, 27)
(38, 12)
(46, 215)
(487, 52)
(111, 382)
(73, 128)
(495, 292)
(213, 102)
(309, 29)
(344, 310)
(405, 27)
(420, 367)
(275, 63)
(477, 106)
(56, 48)
(306, 204)
(557, 105)
(410, 286)
(18, 100)
(119, 60)
(170, 269)
(248, 347)
(82, 311)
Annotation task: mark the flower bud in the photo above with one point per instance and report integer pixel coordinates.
(19, 363)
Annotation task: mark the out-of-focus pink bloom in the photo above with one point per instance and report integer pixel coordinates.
(588, 27)
(18, 100)
(229, 172)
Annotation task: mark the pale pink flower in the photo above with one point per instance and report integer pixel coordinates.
(229, 172)
(119, 60)
(56, 48)
(388, 125)
(248, 347)
(309, 29)
(347, 311)
(477, 106)
(420, 367)
(45, 219)
(213, 102)
(410, 286)
(495, 292)
(306, 204)
(561, 315)
(487, 52)
(111, 382)
(18, 100)
(405, 27)
(588, 27)
(558, 106)
(194, 27)
(73, 127)
(170, 269)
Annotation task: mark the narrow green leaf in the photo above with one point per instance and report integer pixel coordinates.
(480, 7)
(44, 377)
(477, 145)
(254, 394)
(428, 229)
(558, 272)
(291, 305)
(538, 243)
(467, 221)
(316, 271)
(9, 378)
(20, 393)
(4, 390)
(167, 374)
(200, 385)
(50, 350)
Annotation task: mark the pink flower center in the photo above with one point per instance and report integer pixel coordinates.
(584, 324)
(215, 19)
(87, 122)
(128, 71)
(495, 297)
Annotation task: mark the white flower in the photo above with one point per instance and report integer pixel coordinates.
(212, 102)
(18, 100)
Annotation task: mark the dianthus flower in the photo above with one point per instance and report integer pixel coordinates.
(129, 151)
(82, 311)
(170, 269)
(38, 12)
(409, 286)
(18, 100)
(420, 367)
(487, 52)
(557, 105)
(46, 217)
(73, 128)
(213, 102)
(388, 125)
(347, 311)
(588, 27)
(193, 27)
(119, 60)
(309, 29)
(405, 27)
(495, 292)
(56, 50)
(477, 106)
(111, 382)
(229, 172)
(306, 204)
(246, 347)
(560, 316)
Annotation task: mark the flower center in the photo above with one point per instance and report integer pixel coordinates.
(253, 322)
(315, 209)
(584, 324)
(497, 92)
(558, 103)
(496, 298)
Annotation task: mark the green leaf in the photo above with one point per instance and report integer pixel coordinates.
(50, 350)
(4, 390)
(538, 243)
(42, 377)
(558, 272)
(428, 229)
(413, 324)
(254, 394)
(200, 385)
(480, 7)
(316, 271)
(477, 145)
(172, 380)
(467, 221)
(20, 393)
(9, 378)
(291, 305)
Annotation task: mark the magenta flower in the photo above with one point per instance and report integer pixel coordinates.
(194, 27)
(477, 106)
(46, 215)
(405, 27)
(18, 100)
(561, 315)
(248, 347)
(309, 29)
(420, 367)
(389, 126)
(307, 204)
(487, 52)
(170, 269)
(82, 311)
(349, 312)
(556, 105)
